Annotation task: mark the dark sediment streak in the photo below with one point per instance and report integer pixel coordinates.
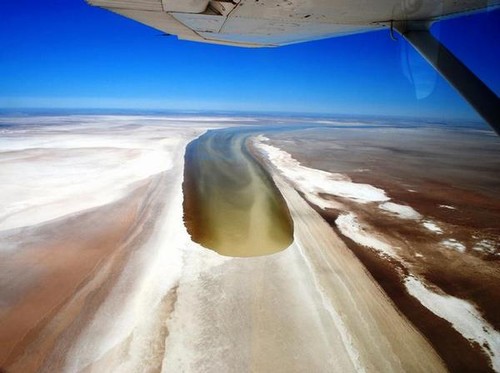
(231, 205)
(458, 353)
(427, 170)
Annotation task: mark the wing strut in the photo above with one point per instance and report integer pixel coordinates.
(478, 94)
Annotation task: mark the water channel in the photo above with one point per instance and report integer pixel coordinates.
(231, 204)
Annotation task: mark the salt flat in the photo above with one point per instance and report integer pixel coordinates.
(98, 271)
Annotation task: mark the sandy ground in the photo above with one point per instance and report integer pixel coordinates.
(83, 223)
(117, 285)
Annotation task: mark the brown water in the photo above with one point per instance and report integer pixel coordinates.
(231, 205)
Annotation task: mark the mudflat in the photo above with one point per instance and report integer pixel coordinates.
(431, 238)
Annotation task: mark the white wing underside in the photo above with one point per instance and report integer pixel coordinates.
(260, 23)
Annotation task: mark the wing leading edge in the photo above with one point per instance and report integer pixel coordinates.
(260, 23)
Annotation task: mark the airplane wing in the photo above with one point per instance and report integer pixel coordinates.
(258, 23)
(269, 23)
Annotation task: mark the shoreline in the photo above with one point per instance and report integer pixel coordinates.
(74, 281)
(392, 261)
(340, 255)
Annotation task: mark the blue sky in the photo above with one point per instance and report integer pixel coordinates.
(66, 54)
